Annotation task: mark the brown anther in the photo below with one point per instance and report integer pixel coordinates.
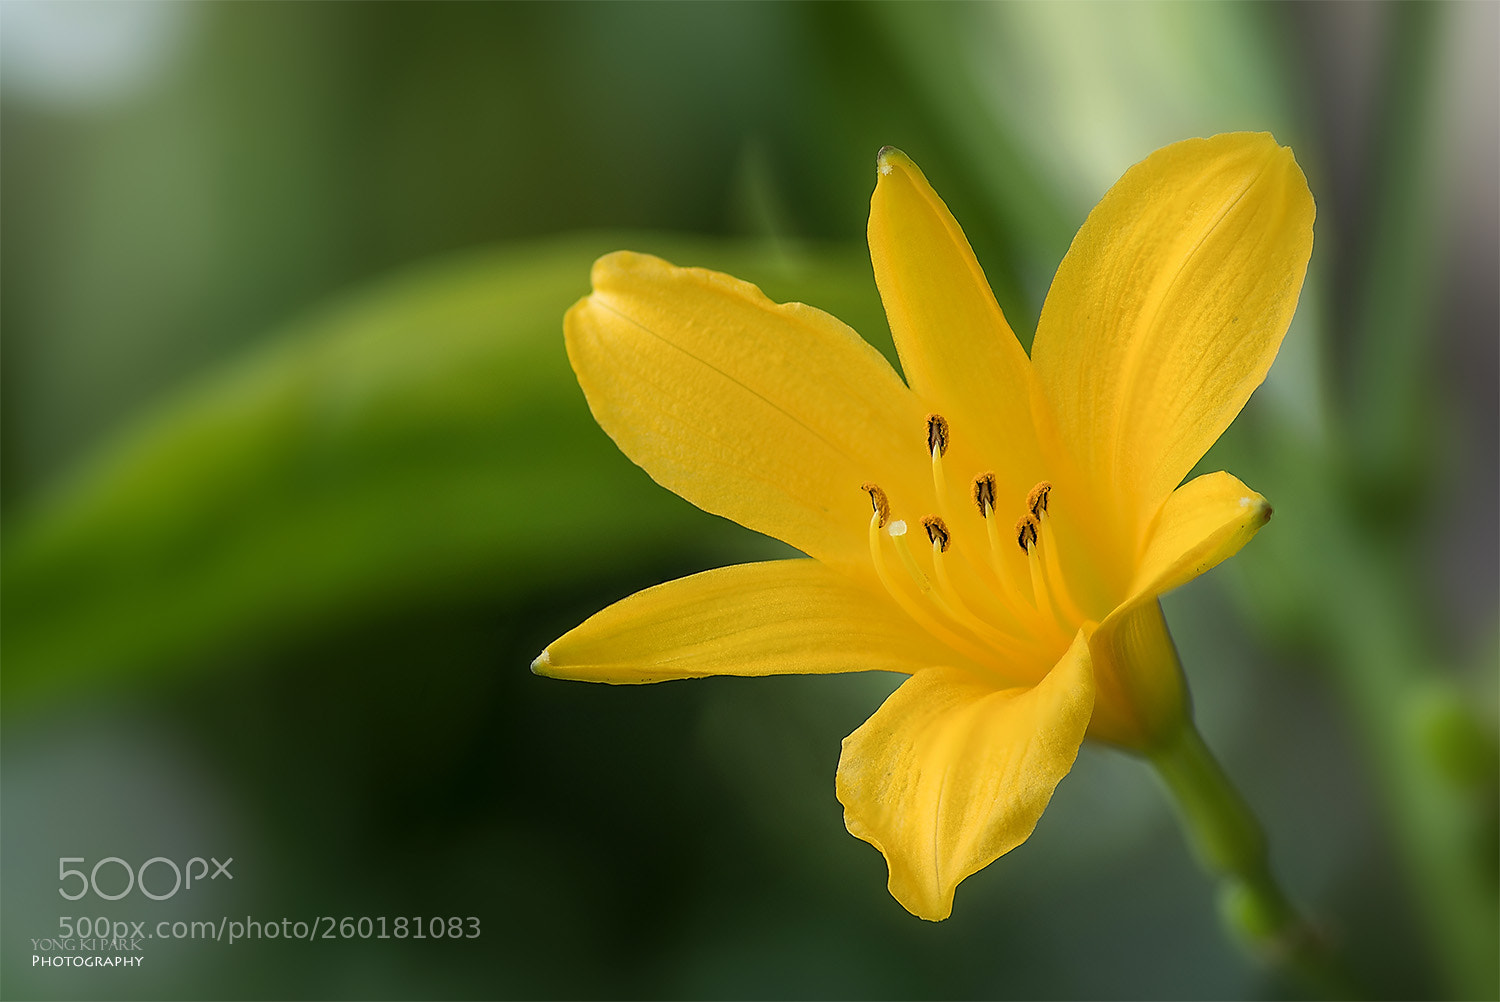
(1026, 533)
(1036, 501)
(937, 532)
(879, 502)
(937, 434)
(984, 494)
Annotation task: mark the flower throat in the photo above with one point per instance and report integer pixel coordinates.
(977, 600)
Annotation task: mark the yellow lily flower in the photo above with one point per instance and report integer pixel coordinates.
(997, 527)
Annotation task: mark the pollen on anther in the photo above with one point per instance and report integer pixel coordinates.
(1036, 501)
(878, 501)
(984, 494)
(1026, 533)
(937, 434)
(937, 532)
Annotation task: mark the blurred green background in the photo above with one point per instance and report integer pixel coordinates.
(297, 481)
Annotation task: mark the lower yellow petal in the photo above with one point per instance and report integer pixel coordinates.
(777, 617)
(950, 774)
(1203, 522)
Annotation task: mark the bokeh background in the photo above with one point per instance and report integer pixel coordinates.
(297, 482)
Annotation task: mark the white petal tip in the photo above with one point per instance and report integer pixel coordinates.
(542, 663)
(1261, 508)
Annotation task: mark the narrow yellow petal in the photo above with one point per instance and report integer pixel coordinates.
(956, 348)
(1169, 307)
(777, 617)
(950, 774)
(1203, 522)
(771, 415)
(1141, 689)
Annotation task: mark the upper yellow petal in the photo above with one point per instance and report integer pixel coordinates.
(769, 414)
(956, 349)
(950, 774)
(1168, 309)
(777, 617)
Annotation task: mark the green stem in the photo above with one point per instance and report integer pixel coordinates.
(1231, 847)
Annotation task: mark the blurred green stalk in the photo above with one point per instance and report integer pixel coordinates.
(1231, 846)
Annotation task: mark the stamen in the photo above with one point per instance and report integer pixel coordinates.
(937, 444)
(937, 435)
(1057, 581)
(1026, 533)
(1036, 501)
(984, 493)
(878, 501)
(984, 497)
(937, 532)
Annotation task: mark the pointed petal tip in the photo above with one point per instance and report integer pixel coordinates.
(613, 263)
(1273, 152)
(889, 158)
(543, 664)
(927, 911)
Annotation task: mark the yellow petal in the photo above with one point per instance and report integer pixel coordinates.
(1141, 692)
(1169, 308)
(771, 415)
(777, 617)
(1204, 521)
(950, 774)
(956, 349)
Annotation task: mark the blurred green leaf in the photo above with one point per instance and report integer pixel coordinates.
(423, 439)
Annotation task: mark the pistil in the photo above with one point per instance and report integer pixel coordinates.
(914, 607)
